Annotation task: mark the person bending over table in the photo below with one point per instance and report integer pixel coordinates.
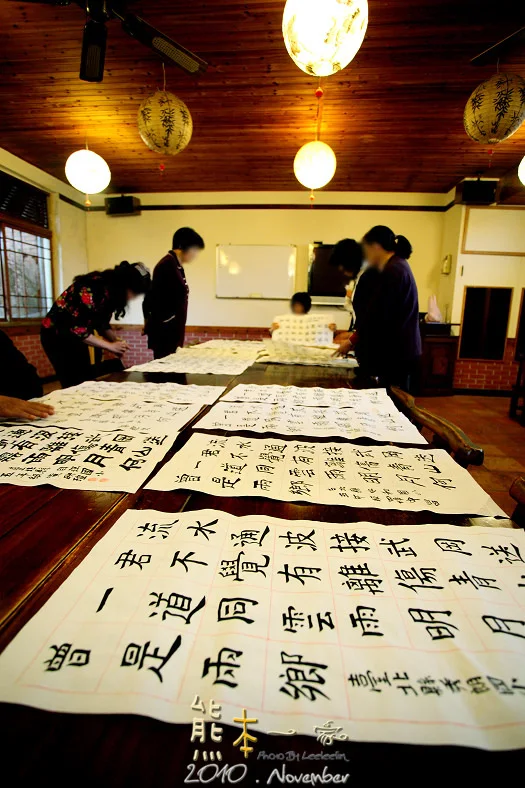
(300, 304)
(347, 257)
(166, 305)
(388, 335)
(19, 382)
(88, 305)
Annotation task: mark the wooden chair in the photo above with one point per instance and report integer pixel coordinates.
(445, 434)
(517, 492)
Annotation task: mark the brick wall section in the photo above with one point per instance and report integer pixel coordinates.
(488, 375)
(469, 374)
(139, 352)
(27, 340)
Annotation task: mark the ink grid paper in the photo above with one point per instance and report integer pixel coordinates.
(304, 329)
(319, 422)
(288, 353)
(114, 460)
(379, 477)
(303, 395)
(412, 634)
(170, 392)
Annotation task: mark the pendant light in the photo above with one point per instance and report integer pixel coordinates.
(87, 172)
(323, 36)
(315, 163)
(521, 171)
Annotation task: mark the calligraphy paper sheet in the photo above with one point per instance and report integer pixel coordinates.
(113, 460)
(413, 634)
(242, 346)
(350, 423)
(303, 329)
(303, 395)
(288, 353)
(79, 408)
(167, 392)
(379, 477)
(203, 362)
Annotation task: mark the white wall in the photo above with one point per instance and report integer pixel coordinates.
(148, 237)
(67, 223)
(488, 269)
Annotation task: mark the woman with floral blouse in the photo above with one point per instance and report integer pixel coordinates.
(88, 305)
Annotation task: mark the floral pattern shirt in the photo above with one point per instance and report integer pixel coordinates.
(82, 309)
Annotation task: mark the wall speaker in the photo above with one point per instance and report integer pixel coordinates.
(478, 192)
(122, 206)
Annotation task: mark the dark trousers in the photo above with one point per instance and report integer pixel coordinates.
(71, 359)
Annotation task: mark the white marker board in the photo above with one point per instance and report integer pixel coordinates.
(259, 272)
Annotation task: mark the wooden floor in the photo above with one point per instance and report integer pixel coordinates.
(486, 421)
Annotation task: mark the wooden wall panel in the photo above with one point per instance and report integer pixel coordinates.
(393, 117)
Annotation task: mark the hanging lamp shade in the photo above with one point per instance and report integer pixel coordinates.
(314, 164)
(87, 171)
(496, 109)
(323, 36)
(165, 123)
(521, 171)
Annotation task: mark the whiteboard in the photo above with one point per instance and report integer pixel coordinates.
(252, 271)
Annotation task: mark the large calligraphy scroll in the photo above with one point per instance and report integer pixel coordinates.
(381, 477)
(412, 634)
(376, 422)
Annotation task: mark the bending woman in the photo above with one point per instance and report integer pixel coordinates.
(87, 306)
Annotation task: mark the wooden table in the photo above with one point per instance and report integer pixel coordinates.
(45, 533)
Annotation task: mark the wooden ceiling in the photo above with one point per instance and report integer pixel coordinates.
(393, 116)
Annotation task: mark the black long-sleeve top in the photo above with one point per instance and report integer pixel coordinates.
(19, 378)
(166, 305)
(388, 332)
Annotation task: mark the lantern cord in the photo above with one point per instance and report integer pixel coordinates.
(319, 117)
(163, 77)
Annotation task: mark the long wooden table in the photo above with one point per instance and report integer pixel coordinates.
(45, 533)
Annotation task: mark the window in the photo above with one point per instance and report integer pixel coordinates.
(26, 287)
(485, 322)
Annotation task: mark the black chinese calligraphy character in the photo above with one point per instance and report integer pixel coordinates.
(225, 665)
(303, 679)
(135, 655)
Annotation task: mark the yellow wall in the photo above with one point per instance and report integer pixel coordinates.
(148, 237)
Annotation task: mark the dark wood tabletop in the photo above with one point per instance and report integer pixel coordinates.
(46, 532)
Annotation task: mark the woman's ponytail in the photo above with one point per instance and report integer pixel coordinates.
(403, 247)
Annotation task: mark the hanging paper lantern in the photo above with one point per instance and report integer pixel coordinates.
(314, 164)
(87, 171)
(496, 109)
(323, 36)
(521, 171)
(165, 123)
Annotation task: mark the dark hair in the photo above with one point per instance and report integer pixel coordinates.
(125, 276)
(303, 299)
(184, 238)
(347, 254)
(385, 237)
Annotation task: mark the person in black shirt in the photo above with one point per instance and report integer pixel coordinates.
(19, 382)
(347, 256)
(166, 305)
(389, 339)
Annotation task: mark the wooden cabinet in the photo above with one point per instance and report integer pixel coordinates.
(437, 364)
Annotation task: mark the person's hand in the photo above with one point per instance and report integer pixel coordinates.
(332, 327)
(14, 408)
(344, 348)
(119, 347)
(274, 326)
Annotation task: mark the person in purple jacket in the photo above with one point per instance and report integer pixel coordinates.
(389, 338)
(165, 307)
